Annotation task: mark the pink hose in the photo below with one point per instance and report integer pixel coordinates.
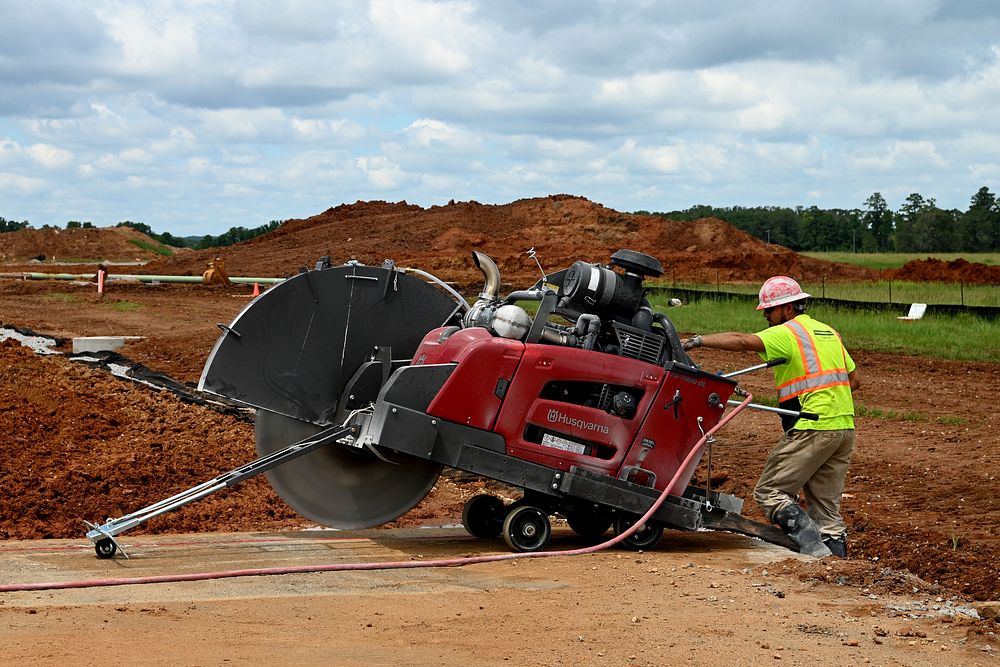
(398, 565)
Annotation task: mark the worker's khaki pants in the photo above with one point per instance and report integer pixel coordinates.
(815, 461)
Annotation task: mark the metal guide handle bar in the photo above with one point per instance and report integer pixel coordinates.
(769, 364)
(115, 526)
(811, 416)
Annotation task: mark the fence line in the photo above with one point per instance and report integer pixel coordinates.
(686, 294)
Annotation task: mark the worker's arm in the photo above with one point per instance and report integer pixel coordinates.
(732, 341)
(855, 379)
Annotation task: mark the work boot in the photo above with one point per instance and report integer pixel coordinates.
(803, 531)
(836, 545)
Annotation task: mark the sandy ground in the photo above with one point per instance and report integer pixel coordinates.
(700, 599)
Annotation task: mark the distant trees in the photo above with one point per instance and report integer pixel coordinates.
(234, 235)
(878, 221)
(12, 225)
(918, 226)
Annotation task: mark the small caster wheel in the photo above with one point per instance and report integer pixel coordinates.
(643, 539)
(105, 547)
(483, 516)
(527, 528)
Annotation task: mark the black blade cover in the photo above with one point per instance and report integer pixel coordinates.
(293, 349)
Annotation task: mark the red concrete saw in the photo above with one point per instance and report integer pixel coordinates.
(369, 380)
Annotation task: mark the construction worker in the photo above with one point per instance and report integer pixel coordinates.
(813, 456)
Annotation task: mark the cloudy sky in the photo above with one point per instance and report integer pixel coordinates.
(197, 116)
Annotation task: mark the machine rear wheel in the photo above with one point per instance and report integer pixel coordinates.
(643, 539)
(483, 516)
(527, 528)
(589, 521)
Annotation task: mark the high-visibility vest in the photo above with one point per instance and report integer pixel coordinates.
(813, 374)
(816, 372)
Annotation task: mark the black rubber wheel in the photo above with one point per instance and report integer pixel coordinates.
(589, 521)
(483, 516)
(526, 528)
(643, 539)
(105, 547)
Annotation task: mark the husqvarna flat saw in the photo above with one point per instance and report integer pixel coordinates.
(368, 380)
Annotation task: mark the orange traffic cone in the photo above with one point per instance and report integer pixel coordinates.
(256, 290)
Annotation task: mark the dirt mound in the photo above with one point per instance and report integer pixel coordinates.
(956, 270)
(75, 246)
(561, 229)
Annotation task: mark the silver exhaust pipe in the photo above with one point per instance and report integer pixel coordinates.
(482, 311)
(491, 289)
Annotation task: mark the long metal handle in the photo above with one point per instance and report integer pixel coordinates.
(811, 416)
(113, 527)
(751, 369)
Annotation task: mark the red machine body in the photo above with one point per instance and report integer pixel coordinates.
(562, 407)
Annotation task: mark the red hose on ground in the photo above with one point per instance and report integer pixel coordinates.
(398, 565)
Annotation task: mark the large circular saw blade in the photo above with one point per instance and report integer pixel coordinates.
(338, 485)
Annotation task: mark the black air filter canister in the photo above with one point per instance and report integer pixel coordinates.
(594, 287)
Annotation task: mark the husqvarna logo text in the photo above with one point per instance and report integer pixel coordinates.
(557, 417)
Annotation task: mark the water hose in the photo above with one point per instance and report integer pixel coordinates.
(390, 565)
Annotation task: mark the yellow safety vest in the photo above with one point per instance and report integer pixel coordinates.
(816, 372)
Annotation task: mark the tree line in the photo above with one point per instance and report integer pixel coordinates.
(918, 226)
(234, 235)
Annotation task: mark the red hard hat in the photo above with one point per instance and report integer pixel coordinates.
(779, 290)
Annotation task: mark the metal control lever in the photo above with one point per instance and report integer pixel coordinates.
(751, 369)
(811, 416)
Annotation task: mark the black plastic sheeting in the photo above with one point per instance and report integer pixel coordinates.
(125, 369)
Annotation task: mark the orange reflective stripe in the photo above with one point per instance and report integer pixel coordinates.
(807, 348)
(813, 382)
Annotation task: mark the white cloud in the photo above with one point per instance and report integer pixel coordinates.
(153, 40)
(18, 184)
(436, 36)
(135, 155)
(49, 156)
(428, 133)
(381, 173)
(9, 151)
(897, 154)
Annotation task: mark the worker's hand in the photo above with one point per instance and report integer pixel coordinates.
(691, 343)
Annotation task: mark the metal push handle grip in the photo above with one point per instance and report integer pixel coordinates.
(769, 364)
(811, 416)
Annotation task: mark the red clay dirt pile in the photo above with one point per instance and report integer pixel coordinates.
(561, 228)
(956, 270)
(439, 239)
(48, 246)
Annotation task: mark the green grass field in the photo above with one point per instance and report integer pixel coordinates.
(881, 291)
(961, 337)
(894, 260)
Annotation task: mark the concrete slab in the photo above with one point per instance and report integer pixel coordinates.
(100, 343)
